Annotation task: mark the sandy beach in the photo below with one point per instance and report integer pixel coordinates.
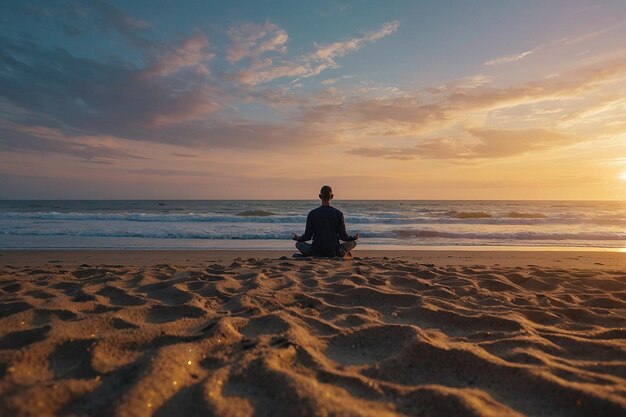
(245, 333)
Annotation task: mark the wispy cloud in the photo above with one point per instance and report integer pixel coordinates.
(323, 57)
(171, 95)
(441, 148)
(191, 52)
(45, 140)
(251, 40)
(110, 18)
(331, 81)
(338, 49)
(510, 58)
(418, 110)
(490, 144)
(569, 40)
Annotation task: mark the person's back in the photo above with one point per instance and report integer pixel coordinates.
(327, 222)
(326, 226)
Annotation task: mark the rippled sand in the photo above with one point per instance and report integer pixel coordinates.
(370, 336)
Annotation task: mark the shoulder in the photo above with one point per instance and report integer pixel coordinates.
(315, 212)
(335, 212)
(339, 212)
(325, 211)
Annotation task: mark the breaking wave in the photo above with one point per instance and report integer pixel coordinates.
(261, 213)
(404, 234)
(413, 223)
(263, 216)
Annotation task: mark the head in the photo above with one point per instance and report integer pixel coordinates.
(326, 194)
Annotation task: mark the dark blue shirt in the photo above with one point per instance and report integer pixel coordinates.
(326, 226)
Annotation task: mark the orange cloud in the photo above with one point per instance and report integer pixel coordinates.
(490, 144)
(415, 111)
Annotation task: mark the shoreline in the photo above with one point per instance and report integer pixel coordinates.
(578, 259)
(362, 247)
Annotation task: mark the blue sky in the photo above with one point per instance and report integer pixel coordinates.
(396, 99)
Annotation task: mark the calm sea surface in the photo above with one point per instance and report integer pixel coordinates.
(254, 224)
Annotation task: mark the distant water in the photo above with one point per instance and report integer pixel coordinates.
(269, 224)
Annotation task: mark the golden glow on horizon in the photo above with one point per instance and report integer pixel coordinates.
(528, 118)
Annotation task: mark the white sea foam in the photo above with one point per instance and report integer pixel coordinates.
(395, 234)
(601, 224)
(374, 218)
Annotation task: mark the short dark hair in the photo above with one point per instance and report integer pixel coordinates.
(326, 192)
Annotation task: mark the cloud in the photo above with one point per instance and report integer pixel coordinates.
(50, 87)
(414, 111)
(441, 148)
(184, 155)
(428, 149)
(76, 18)
(105, 97)
(510, 58)
(507, 59)
(244, 134)
(504, 143)
(331, 81)
(45, 140)
(338, 49)
(109, 18)
(467, 82)
(262, 70)
(251, 40)
(171, 101)
(190, 53)
(173, 98)
(592, 35)
(360, 111)
(490, 144)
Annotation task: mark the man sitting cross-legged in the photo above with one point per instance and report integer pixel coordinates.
(326, 226)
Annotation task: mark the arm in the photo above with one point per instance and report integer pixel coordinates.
(343, 234)
(308, 231)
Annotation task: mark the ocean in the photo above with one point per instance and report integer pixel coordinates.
(255, 224)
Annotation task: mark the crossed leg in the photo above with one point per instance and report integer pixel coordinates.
(344, 249)
(304, 248)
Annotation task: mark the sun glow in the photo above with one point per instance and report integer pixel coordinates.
(622, 176)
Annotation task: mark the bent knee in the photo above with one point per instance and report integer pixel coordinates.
(350, 245)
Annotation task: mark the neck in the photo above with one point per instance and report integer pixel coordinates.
(326, 202)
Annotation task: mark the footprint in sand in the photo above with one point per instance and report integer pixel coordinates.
(13, 307)
(72, 359)
(20, 339)
(120, 297)
(265, 325)
(163, 314)
(370, 345)
(45, 316)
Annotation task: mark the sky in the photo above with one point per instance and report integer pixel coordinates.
(161, 99)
